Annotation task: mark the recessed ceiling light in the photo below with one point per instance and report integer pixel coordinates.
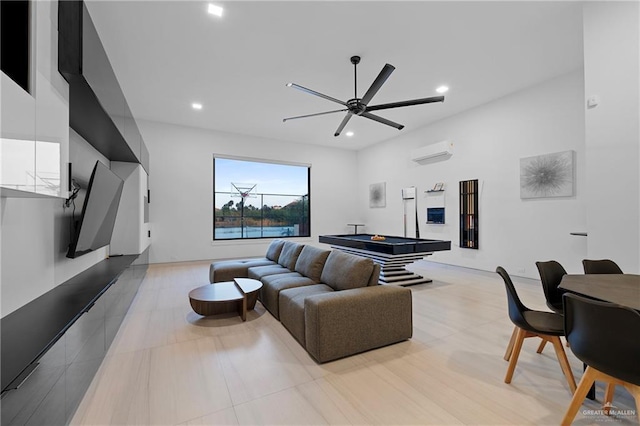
(196, 105)
(442, 89)
(215, 10)
(349, 133)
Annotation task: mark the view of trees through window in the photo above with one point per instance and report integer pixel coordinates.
(256, 199)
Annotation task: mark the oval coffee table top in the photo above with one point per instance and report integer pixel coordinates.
(225, 291)
(218, 292)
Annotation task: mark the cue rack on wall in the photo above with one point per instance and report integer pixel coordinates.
(469, 214)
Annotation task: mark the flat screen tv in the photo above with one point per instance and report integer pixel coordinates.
(95, 226)
(435, 215)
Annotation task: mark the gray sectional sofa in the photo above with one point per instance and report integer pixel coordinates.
(329, 301)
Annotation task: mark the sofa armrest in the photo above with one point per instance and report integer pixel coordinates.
(347, 322)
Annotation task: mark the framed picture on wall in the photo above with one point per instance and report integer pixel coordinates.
(549, 175)
(378, 195)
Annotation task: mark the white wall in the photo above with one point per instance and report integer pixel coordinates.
(35, 234)
(181, 184)
(488, 143)
(612, 73)
(130, 230)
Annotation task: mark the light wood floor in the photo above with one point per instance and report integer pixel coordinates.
(170, 366)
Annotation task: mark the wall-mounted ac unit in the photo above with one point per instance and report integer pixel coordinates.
(436, 150)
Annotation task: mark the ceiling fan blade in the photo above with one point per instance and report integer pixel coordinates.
(313, 92)
(345, 120)
(377, 83)
(382, 120)
(313, 115)
(406, 103)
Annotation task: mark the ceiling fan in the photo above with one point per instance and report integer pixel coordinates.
(360, 106)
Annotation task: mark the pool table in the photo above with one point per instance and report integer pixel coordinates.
(392, 253)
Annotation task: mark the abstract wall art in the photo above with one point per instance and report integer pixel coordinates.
(549, 175)
(378, 194)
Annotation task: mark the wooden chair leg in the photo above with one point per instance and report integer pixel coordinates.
(608, 396)
(517, 346)
(564, 362)
(635, 391)
(541, 346)
(507, 354)
(578, 396)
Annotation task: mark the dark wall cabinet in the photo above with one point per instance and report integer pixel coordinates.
(53, 391)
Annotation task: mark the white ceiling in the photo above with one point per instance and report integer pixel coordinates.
(168, 54)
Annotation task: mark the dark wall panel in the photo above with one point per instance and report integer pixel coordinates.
(98, 109)
(15, 40)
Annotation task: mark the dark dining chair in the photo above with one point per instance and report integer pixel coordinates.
(551, 274)
(605, 337)
(604, 266)
(548, 326)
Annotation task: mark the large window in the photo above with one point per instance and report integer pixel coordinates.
(258, 199)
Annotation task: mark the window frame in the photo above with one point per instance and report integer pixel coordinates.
(265, 161)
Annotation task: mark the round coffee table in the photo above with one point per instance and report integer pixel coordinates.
(239, 295)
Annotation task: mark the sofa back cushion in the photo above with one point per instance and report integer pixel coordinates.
(311, 261)
(274, 250)
(289, 255)
(375, 275)
(343, 271)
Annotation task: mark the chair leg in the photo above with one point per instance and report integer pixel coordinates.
(507, 354)
(608, 396)
(635, 391)
(515, 353)
(541, 346)
(564, 362)
(578, 397)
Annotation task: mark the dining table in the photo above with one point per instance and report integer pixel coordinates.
(621, 289)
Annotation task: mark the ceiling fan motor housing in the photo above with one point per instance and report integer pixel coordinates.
(356, 106)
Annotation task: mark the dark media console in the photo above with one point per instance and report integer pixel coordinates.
(52, 346)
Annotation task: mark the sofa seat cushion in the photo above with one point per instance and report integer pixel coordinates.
(292, 308)
(289, 254)
(258, 272)
(272, 285)
(227, 270)
(311, 262)
(269, 279)
(343, 271)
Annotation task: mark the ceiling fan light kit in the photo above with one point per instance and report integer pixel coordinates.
(360, 106)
